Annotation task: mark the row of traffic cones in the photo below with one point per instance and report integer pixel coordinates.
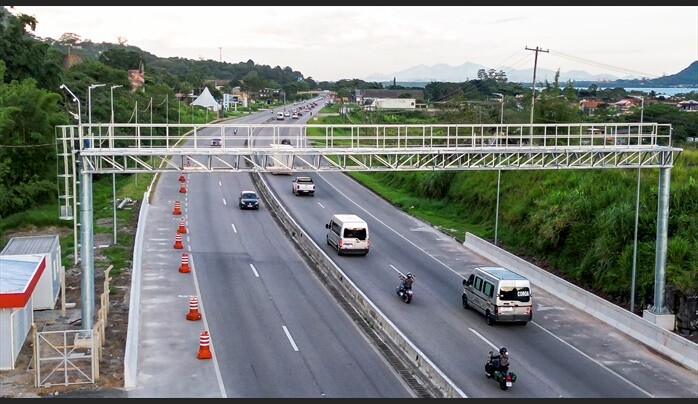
(204, 338)
(193, 314)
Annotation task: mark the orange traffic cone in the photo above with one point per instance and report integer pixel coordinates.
(177, 209)
(204, 348)
(182, 189)
(181, 228)
(181, 178)
(184, 267)
(178, 242)
(193, 314)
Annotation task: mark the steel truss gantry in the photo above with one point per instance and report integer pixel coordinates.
(129, 148)
(87, 149)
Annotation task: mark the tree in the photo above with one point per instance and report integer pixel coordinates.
(24, 56)
(70, 39)
(27, 144)
(121, 58)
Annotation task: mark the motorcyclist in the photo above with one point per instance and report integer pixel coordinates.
(407, 281)
(500, 362)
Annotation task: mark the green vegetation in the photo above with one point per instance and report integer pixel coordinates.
(46, 216)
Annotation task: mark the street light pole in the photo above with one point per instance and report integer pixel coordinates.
(499, 171)
(112, 103)
(111, 141)
(89, 104)
(151, 124)
(75, 100)
(637, 210)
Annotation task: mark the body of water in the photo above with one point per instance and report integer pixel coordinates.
(666, 91)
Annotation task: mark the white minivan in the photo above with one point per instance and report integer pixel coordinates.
(348, 234)
(501, 294)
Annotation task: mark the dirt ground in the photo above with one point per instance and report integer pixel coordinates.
(19, 382)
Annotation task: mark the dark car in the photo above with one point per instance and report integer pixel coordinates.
(249, 200)
(215, 143)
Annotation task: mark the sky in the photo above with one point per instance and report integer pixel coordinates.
(330, 43)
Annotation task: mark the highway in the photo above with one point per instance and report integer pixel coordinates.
(280, 333)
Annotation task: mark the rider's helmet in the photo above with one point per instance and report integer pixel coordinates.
(409, 275)
(503, 351)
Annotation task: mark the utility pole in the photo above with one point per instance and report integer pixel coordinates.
(220, 53)
(533, 93)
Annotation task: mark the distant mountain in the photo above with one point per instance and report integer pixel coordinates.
(687, 77)
(468, 71)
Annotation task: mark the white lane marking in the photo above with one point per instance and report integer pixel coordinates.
(290, 338)
(577, 350)
(396, 270)
(254, 270)
(234, 229)
(221, 386)
(224, 202)
(320, 205)
(219, 184)
(484, 339)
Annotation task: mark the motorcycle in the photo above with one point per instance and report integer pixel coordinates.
(503, 376)
(405, 294)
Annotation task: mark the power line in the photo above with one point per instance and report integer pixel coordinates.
(604, 65)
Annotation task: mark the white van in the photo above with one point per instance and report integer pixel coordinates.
(499, 293)
(279, 116)
(348, 234)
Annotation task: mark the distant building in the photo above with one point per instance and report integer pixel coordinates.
(588, 107)
(689, 105)
(218, 84)
(366, 97)
(378, 104)
(71, 59)
(136, 77)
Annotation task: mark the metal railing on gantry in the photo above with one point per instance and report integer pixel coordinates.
(132, 148)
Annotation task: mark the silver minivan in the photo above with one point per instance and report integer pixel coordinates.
(499, 293)
(348, 234)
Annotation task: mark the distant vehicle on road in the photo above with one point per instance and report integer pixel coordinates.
(215, 143)
(281, 160)
(501, 294)
(348, 234)
(249, 200)
(303, 186)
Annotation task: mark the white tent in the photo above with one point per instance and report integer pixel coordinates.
(205, 99)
